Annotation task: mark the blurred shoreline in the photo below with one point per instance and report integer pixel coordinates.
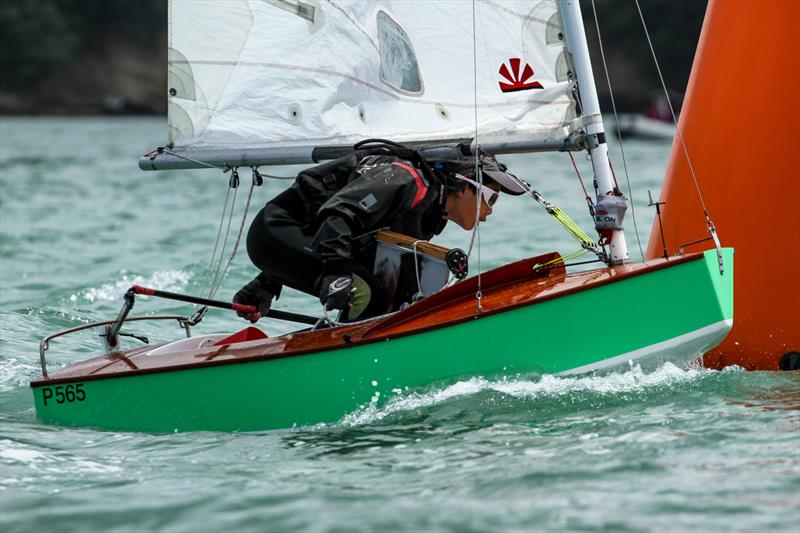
(87, 57)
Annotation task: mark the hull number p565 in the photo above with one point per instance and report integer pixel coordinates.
(64, 393)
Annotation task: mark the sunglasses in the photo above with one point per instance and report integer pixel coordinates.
(489, 196)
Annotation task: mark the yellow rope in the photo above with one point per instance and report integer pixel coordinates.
(572, 227)
(559, 260)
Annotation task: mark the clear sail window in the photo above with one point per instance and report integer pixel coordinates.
(399, 66)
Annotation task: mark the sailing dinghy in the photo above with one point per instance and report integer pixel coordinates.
(267, 82)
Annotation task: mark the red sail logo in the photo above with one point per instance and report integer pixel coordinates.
(517, 77)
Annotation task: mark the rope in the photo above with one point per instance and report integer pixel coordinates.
(672, 113)
(572, 227)
(556, 212)
(201, 163)
(539, 268)
(559, 260)
(580, 179)
(272, 176)
(632, 203)
(214, 284)
(209, 165)
(478, 173)
(216, 244)
(710, 227)
(619, 134)
(416, 265)
(238, 236)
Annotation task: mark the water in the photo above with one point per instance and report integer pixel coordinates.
(677, 449)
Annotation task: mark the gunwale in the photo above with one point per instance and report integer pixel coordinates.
(504, 289)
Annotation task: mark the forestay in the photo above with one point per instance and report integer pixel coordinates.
(284, 74)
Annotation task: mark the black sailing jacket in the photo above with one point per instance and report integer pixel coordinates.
(347, 200)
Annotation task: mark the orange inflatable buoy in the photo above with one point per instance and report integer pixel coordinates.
(741, 109)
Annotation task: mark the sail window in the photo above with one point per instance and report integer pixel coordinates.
(399, 68)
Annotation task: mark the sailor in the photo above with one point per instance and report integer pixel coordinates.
(318, 236)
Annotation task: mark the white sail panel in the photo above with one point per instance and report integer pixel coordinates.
(268, 73)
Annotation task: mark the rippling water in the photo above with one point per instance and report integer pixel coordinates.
(676, 449)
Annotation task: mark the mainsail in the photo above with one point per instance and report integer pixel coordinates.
(281, 77)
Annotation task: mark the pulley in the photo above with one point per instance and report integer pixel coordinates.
(458, 262)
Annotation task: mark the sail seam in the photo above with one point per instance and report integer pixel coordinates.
(501, 7)
(539, 98)
(354, 23)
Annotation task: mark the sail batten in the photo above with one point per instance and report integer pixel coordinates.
(281, 74)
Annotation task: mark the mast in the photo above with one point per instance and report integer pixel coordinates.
(598, 149)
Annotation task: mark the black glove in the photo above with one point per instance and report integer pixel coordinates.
(256, 294)
(335, 292)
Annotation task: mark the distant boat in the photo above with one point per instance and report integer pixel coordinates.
(644, 127)
(289, 81)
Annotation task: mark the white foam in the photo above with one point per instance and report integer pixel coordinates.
(166, 280)
(15, 373)
(19, 455)
(634, 380)
(52, 462)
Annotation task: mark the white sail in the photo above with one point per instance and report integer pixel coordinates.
(247, 74)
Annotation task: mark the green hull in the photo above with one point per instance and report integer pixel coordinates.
(672, 314)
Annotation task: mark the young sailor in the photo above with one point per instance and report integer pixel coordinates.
(318, 236)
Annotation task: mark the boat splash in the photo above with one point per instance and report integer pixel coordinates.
(170, 280)
(629, 385)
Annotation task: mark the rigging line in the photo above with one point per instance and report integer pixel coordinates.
(209, 165)
(416, 265)
(672, 112)
(272, 176)
(215, 285)
(478, 173)
(561, 259)
(207, 281)
(632, 203)
(566, 265)
(202, 163)
(561, 217)
(580, 179)
(238, 236)
(619, 133)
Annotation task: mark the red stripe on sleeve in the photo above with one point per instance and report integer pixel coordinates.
(422, 189)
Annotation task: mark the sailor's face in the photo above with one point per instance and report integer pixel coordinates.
(486, 209)
(463, 212)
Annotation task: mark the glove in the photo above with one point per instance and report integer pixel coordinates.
(254, 293)
(335, 292)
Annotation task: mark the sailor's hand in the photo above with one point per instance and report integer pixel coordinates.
(335, 292)
(255, 294)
